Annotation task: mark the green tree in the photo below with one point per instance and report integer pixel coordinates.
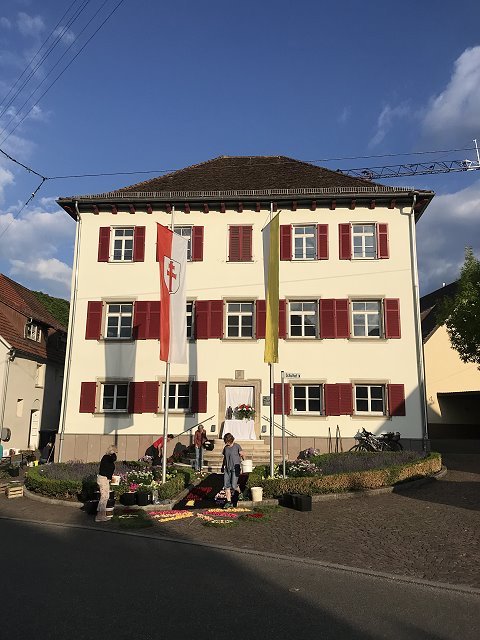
(461, 314)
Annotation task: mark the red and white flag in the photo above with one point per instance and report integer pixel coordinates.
(172, 260)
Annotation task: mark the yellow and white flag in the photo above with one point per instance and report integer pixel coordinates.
(271, 266)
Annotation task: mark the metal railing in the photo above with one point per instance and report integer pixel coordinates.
(279, 426)
(193, 426)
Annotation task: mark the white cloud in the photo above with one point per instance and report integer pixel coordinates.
(344, 116)
(41, 273)
(30, 246)
(6, 178)
(386, 119)
(5, 23)
(449, 224)
(30, 25)
(67, 36)
(453, 115)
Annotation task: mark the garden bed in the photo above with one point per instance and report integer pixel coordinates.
(343, 472)
(76, 481)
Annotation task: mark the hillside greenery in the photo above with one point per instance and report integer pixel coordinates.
(57, 307)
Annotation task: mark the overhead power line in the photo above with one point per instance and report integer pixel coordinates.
(63, 70)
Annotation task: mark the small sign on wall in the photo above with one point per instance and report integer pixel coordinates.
(265, 401)
(239, 374)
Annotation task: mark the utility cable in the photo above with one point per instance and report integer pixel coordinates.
(26, 203)
(36, 54)
(63, 71)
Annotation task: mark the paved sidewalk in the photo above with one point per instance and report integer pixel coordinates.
(430, 532)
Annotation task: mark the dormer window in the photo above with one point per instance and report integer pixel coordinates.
(33, 331)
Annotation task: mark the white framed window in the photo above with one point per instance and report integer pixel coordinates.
(308, 399)
(122, 244)
(370, 399)
(190, 320)
(114, 396)
(240, 319)
(33, 332)
(304, 242)
(179, 397)
(119, 320)
(303, 319)
(364, 241)
(186, 232)
(366, 318)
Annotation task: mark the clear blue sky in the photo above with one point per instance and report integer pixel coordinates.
(164, 85)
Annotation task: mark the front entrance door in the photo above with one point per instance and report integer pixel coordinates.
(34, 424)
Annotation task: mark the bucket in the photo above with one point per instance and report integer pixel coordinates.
(247, 466)
(257, 494)
(115, 480)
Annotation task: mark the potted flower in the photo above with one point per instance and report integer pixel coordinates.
(129, 497)
(244, 412)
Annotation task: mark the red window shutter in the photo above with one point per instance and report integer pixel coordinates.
(104, 244)
(216, 319)
(94, 321)
(88, 394)
(199, 397)
(139, 244)
(282, 319)
(234, 244)
(202, 315)
(277, 399)
(327, 320)
(246, 244)
(345, 399)
(197, 244)
(136, 394)
(322, 241)
(391, 308)
(260, 318)
(396, 399)
(382, 241)
(285, 242)
(141, 320)
(150, 401)
(342, 320)
(154, 320)
(344, 233)
(332, 400)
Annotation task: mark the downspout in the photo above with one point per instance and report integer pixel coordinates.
(418, 326)
(10, 358)
(71, 327)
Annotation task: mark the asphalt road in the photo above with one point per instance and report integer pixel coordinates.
(66, 583)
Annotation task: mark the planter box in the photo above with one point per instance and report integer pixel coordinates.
(128, 499)
(286, 500)
(143, 498)
(302, 502)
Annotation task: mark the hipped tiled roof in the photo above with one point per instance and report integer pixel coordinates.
(428, 306)
(237, 173)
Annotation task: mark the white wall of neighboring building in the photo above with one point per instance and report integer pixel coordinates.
(446, 373)
(327, 360)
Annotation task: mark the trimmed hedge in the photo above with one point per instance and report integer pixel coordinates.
(53, 481)
(346, 481)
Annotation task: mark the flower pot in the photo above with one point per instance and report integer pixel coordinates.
(257, 494)
(143, 498)
(14, 472)
(90, 507)
(302, 502)
(128, 499)
(247, 466)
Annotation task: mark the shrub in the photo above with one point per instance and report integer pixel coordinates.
(352, 480)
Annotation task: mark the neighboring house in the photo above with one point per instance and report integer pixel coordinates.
(349, 317)
(453, 386)
(32, 357)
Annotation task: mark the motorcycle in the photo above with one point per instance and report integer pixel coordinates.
(367, 441)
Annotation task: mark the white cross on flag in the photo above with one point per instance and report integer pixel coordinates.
(172, 260)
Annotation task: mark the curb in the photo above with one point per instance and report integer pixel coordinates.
(442, 586)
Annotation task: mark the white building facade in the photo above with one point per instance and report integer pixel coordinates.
(349, 322)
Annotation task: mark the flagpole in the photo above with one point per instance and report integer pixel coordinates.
(272, 423)
(166, 394)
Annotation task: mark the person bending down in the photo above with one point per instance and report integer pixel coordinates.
(232, 456)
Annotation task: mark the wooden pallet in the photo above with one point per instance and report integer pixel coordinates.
(15, 491)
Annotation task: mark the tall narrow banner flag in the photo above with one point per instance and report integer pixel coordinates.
(172, 261)
(271, 266)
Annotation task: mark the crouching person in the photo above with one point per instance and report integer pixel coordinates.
(105, 473)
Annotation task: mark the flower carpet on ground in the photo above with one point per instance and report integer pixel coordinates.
(208, 517)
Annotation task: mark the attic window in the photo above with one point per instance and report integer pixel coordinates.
(33, 331)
